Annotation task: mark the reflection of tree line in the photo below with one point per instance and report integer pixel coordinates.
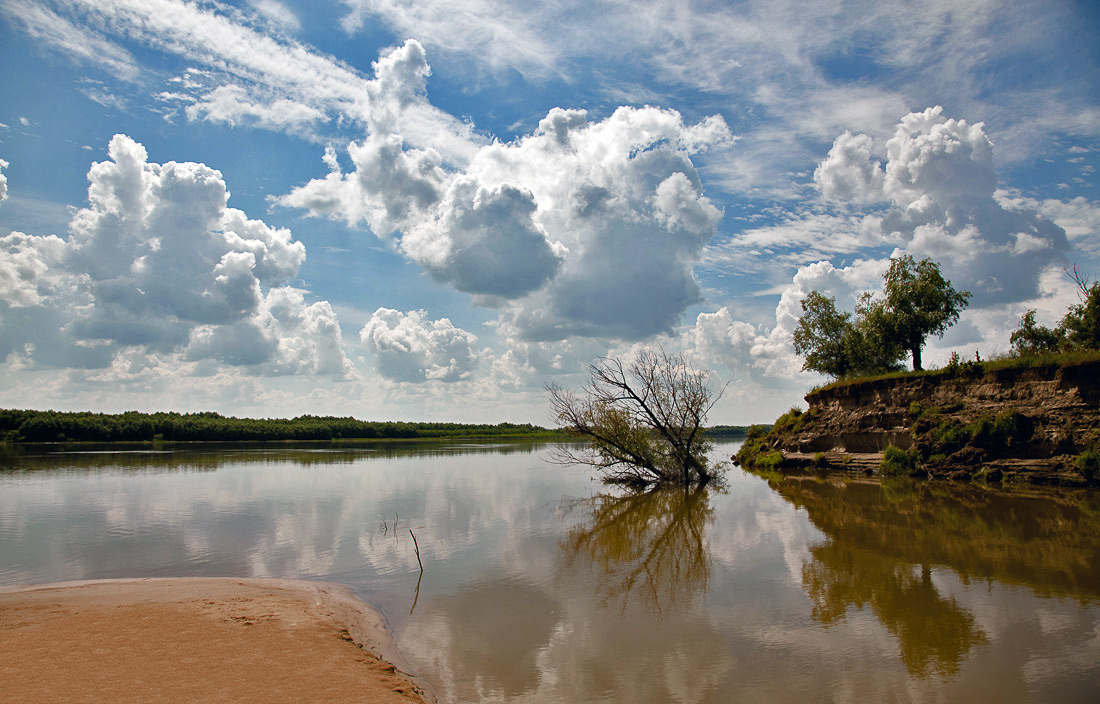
(210, 457)
(1047, 542)
(933, 631)
(646, 545)
(883, 540)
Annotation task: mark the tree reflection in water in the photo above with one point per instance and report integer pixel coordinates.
(933, 631)
(646, 545)
(885, 538)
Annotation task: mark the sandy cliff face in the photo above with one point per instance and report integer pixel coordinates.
(1020, 423)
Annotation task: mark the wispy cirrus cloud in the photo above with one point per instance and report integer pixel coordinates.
(81, 43)
(247, 76)
(796, 239)
(788, 75)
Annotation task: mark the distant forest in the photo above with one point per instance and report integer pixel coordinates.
(727, 432)
(57, 426)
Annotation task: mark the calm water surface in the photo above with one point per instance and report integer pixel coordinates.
(538, 586)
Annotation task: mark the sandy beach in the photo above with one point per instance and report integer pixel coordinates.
(197, 640)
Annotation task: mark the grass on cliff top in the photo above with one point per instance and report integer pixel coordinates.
(1000, 363)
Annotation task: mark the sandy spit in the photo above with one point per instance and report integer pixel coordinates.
(197, 640)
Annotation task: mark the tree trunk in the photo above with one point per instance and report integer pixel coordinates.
(916, 359)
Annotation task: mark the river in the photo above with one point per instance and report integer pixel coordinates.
(540, 585)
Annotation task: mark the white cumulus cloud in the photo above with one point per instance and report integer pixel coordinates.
(408, 347)
(849, 173)
(939, 184)
(158, 261)
(581, 228)
(485, 241)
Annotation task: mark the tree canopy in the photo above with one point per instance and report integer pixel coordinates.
(835, 345)
(643, 420)
(1079, 328)
(825, 336)
(917, 302)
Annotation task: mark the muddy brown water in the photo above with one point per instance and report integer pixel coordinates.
(539, 585)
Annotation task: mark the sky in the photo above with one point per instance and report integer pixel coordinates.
(429, 210)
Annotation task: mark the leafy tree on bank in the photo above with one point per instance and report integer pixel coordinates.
(917, 302)
(1078, 330)
(1082, 322)
(826, 337)
(1032, 338)
(832, 344)
(644, 420)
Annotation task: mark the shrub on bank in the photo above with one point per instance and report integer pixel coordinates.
(896, 462)
(1088, 463)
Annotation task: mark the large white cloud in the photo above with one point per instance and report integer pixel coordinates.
(158, 261)
(623, 201)
(3, 181)
(160, 248)
(409, 347)
(581, 228)
(940, 183)
(485, 241)
(849, 171)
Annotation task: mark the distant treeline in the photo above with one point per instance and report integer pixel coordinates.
(55, 426)
(82, 426)
(723, 432)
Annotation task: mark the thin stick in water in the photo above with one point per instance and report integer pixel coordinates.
(417, 548)
(416, 597)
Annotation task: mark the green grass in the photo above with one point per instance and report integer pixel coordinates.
(1053, 359)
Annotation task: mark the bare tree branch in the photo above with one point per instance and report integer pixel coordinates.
(1083, 283)
(642, 420)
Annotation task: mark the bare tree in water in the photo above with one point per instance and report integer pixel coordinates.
(644, 421)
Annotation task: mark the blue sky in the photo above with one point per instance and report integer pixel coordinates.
(428, 210)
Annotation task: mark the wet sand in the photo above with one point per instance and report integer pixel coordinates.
(196, 640)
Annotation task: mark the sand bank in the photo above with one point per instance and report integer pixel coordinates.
(196, 640)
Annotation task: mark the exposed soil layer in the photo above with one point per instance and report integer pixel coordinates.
(1019, 424)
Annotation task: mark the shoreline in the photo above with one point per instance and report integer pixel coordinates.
(195, 639)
